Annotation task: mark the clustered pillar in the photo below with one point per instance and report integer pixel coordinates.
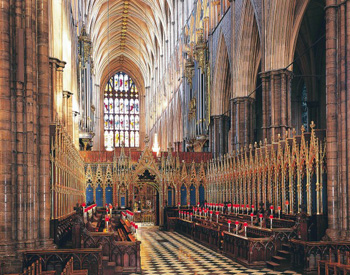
(338, 117)
(276, 97)
(242, 122)
(24, 129)
(6, 136)
(219, 133)
(56, 85)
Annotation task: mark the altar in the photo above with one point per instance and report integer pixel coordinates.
(145, 217)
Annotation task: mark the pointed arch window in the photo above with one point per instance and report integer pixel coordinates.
(121, 112)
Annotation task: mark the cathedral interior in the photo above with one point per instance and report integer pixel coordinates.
(174, 137)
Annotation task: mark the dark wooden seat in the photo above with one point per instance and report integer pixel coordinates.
(341, 266)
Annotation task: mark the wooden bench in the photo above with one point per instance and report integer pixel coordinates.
(122, 234)
(341, 266)
(68, 270)
(35, 269)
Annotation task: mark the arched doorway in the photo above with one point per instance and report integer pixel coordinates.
(220, 124)
(308, 98)
(145, 199)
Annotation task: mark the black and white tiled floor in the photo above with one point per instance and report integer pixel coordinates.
(171, 253)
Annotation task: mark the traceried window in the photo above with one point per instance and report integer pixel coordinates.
(121, 112)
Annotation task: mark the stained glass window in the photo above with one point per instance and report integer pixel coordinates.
(121, 112)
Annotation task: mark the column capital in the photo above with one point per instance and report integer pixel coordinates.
(59, 63)
(270, 73)
(67, 94)
(240, 99)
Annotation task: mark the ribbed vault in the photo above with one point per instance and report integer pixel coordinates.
(127, 35)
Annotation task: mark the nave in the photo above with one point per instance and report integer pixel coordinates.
(164, 252)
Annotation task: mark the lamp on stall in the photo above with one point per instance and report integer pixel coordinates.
(84, 213)
(279, 212)
(110, 209)
(287, 204)
(271, 218)
(107, 220)
(245, 228)
(260, 217)
(229, 208)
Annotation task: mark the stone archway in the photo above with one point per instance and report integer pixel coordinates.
(146, 173)
(144, 198)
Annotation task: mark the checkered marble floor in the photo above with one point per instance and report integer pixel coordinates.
(171, 253)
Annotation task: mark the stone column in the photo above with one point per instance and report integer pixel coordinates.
(29, 128)
(213, 136)
(52, 87)
(65, 109)
(242, 120)
(20, 135)
(338, 117)
(276, 97)
(70, 116)
(44, 122)
(59, 90)
(347, 78)
(6, 196)
(219, 135)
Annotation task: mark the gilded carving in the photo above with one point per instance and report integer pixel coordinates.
(200, 52)
(189, 71)
(192, 109)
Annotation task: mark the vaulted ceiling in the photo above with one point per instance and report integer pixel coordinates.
(127, 35)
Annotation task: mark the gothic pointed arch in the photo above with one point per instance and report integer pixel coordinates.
(247, 53)
(147, 162)
(221, 91)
